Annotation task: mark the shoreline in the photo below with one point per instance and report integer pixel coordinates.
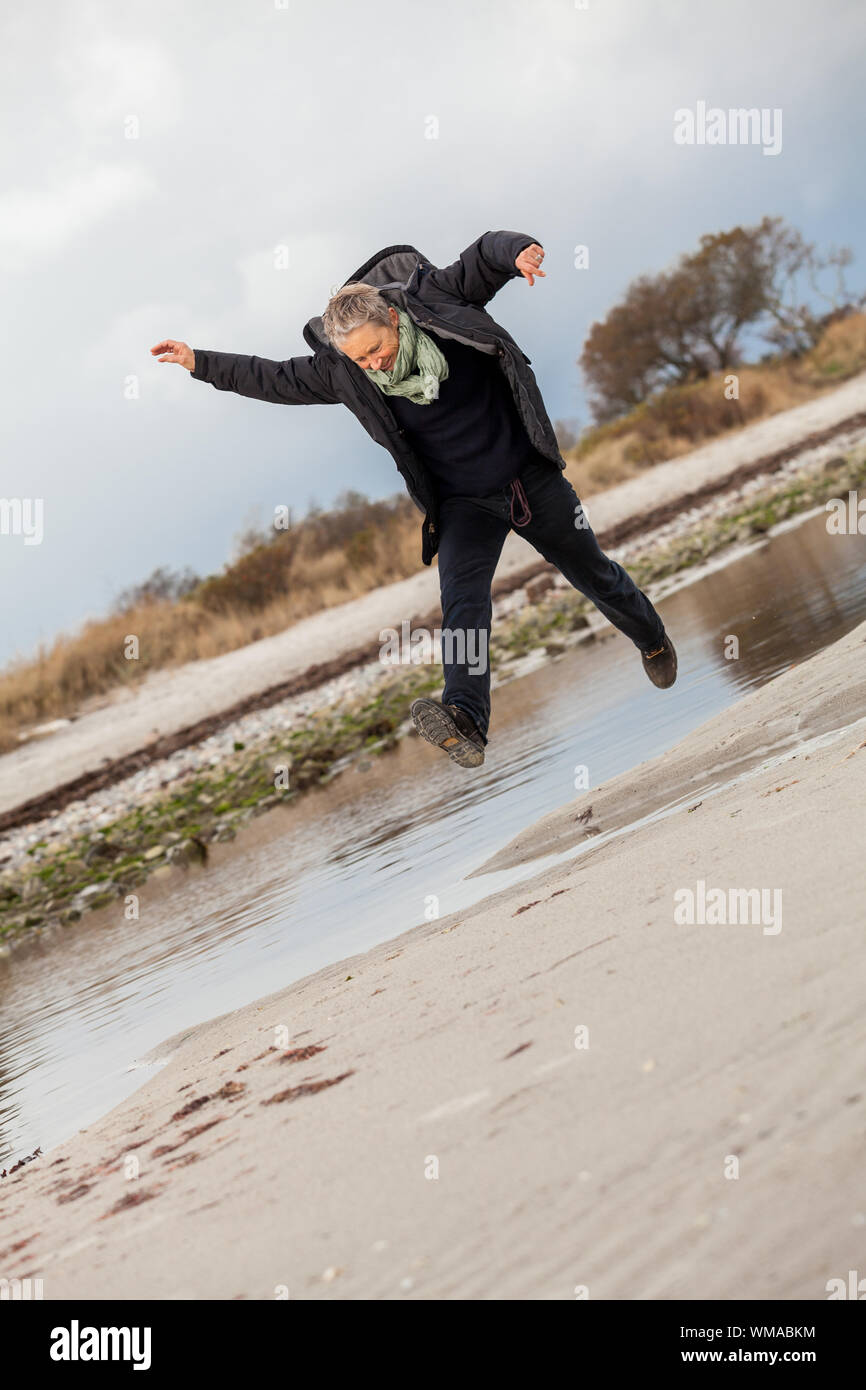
(174, 707)
(456, 1042)
(70, 863)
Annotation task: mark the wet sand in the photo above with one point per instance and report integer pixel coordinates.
(418, 1121)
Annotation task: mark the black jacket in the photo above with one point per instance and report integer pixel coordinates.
(450, 301)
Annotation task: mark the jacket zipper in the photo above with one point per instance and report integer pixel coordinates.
(500, 351)
(443, 323)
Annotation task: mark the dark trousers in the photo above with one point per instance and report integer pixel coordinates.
(472, 532)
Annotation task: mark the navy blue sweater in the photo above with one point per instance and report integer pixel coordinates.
(471, 439)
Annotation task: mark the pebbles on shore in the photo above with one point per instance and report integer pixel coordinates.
(39, 841)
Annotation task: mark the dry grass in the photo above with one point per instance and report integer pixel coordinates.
(841, 352)
(353, 549)
(76, 671)
(683, 418)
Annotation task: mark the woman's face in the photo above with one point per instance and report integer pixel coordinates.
(374, 345)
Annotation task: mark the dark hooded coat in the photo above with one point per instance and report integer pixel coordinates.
(451, 301)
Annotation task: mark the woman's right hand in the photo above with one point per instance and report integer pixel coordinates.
(169, 350)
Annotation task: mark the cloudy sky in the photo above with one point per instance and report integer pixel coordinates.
(155, 155)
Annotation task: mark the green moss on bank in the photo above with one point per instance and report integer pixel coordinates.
(62, 881)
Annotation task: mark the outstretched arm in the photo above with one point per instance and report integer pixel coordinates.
(488, 264)
(297, 381)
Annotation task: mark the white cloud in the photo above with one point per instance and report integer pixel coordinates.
(305, 127)
(108, 78)
(274, 295)
(35, 222)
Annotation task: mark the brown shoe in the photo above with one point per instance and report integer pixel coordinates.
(450, 728)
(660, 664)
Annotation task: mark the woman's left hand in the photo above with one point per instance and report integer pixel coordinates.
(528, 262)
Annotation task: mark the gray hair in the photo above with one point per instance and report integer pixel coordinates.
(350, 308)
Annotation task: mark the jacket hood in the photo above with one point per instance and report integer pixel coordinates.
(396, 268)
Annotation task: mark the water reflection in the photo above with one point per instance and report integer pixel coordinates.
(353, 865)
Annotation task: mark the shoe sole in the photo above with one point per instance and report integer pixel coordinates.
(667, 684)
(436, 725)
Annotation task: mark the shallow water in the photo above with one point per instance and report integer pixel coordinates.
(360, 862)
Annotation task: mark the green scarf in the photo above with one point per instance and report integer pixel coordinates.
(419, 366)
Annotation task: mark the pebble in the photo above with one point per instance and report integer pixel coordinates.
(149, 784)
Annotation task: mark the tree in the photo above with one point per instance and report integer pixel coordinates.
(163, 584)
(795, 325)
(685, 323)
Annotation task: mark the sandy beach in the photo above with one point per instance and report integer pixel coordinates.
(433, 677)
(563, 1092)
